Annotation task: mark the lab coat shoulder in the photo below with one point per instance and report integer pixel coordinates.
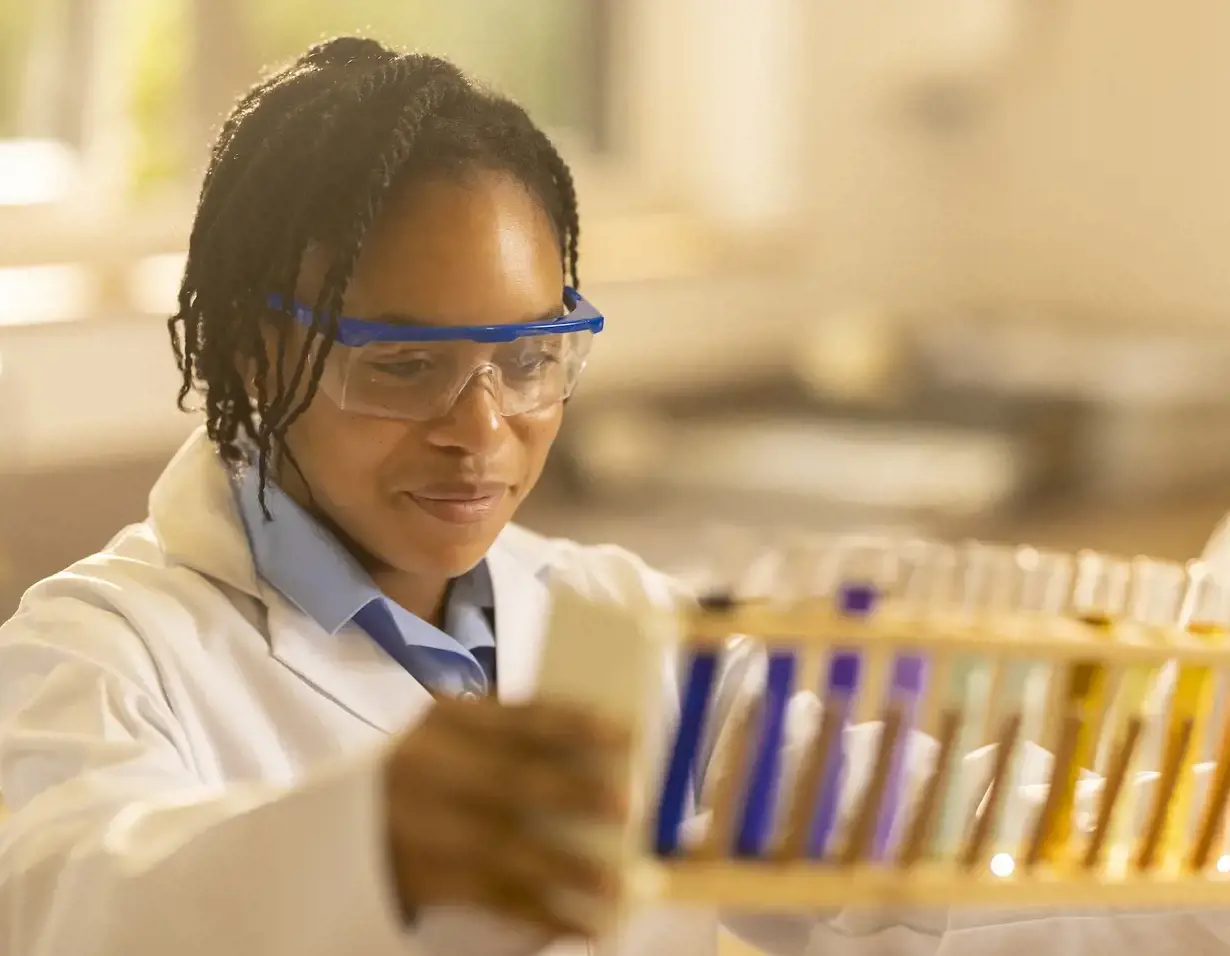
(142, 621)
(133, 580)
(91, 624)
(601, 572)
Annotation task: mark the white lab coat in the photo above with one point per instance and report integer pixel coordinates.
(191, 764)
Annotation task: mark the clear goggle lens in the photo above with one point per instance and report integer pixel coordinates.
(422, 381)
(414, 372)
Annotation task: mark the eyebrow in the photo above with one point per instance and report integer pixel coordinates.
(403, 318)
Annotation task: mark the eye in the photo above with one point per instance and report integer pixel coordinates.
(537, 361)
(538, 356)
(404, 366)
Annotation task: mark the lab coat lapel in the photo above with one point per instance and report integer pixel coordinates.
(193, 511)
(521, 604)
(348, 667)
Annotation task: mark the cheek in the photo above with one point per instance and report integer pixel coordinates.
(536, 434)
(342, 456)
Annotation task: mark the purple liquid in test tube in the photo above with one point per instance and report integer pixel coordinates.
(909, 676)
(841, 689)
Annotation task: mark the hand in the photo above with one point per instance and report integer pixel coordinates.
(468, 791)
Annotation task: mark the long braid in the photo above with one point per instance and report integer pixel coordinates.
(571, 232)
(309, 156)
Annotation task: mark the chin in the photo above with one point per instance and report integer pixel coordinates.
(452, 551)
(457, 560)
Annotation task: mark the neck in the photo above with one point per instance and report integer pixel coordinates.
(421, 597)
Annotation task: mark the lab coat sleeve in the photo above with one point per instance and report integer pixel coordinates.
(985, 931)
(1027, 931)
(934, 931)
(117, 845)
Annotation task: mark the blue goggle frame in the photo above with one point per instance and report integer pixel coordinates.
(354, 333)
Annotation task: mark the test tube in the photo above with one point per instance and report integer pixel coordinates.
(679, 779)
(725, 800)
(1024, 696)
(842, 687)
(1099, 597)
(1204, 614)
(968, 689)
(926, 592)
(1212, 819)
(733, 562)
(1047, 583)
(761, 800)
(868, 560)
(988, 586)
(1046, 580)
(879, 561)
(909, 676)
(924, 573)
(928, 589)
(1155, 594)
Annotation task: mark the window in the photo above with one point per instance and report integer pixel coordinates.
(17, 23)
(541, 52)
(107, 108)
(152, 78)
(43, 64)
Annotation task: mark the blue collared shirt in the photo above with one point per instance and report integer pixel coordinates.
(312, 570)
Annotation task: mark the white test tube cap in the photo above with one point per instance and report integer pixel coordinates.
(1155, 591)
(1206, 599)
(1101, 585)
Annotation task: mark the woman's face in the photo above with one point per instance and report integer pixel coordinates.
(429, 498)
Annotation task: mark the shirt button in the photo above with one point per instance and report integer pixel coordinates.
(467, 695)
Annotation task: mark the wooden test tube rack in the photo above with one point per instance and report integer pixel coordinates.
(1188, 874)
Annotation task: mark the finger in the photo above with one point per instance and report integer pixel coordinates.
(490, 776)
(536, 893)
(529, 855)
(439, 838)
(474, 768)
(534, 784)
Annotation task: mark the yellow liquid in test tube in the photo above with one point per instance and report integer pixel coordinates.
(1084, 693)
(1192, 700)
(1130, 702)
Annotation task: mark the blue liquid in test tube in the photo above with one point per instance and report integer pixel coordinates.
(841, 690)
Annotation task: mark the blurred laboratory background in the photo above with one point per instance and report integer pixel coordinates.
(955, 267)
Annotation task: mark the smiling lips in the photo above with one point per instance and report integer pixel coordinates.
(461, 502)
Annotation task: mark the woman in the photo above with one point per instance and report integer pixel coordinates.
(215, 736)
(263, 721)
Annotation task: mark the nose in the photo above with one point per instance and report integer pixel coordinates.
(474, 425)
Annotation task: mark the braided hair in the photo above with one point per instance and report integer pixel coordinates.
(309, 156)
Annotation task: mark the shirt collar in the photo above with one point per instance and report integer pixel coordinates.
(312, 570)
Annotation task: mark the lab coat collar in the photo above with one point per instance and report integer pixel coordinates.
(521, 603)
(194, 516)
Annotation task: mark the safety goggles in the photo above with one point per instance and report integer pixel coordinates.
(417, 372)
